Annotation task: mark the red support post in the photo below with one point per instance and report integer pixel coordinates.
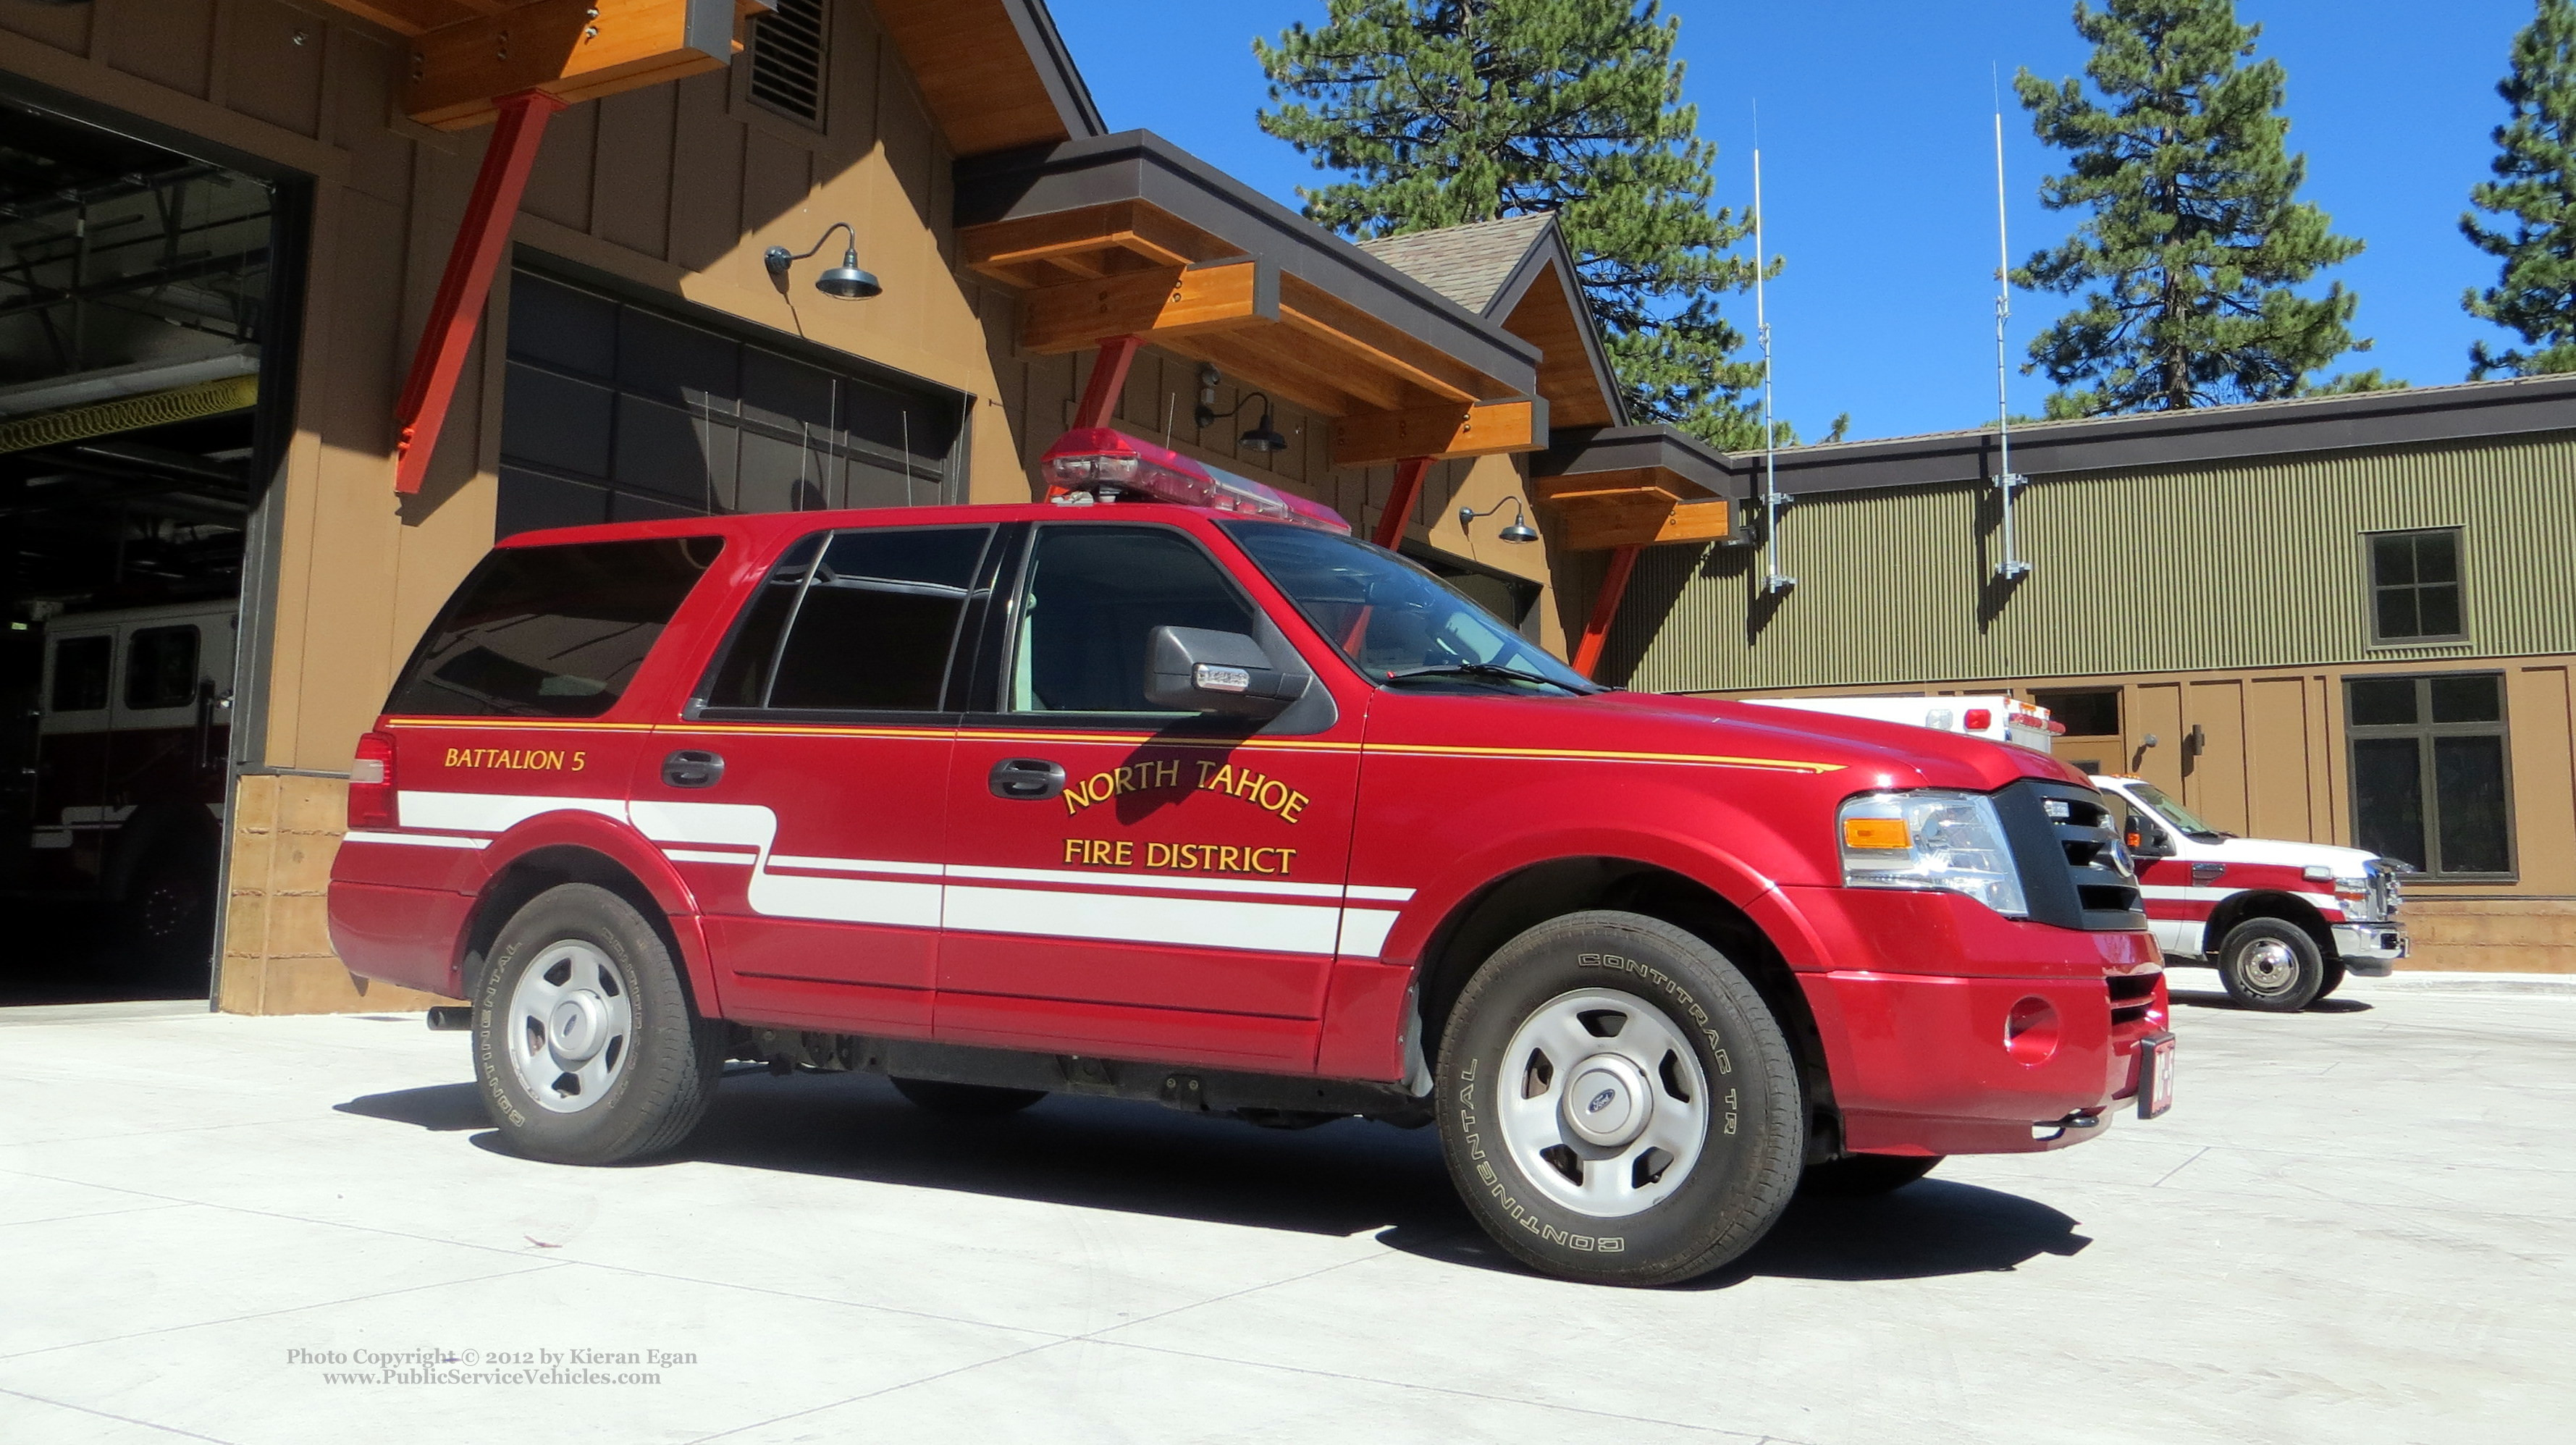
(1399, 505)
(1108, 381)
(481, 239)
(1605, 608)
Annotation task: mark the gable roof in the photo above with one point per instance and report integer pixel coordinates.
(995, 73)
(1518, 270)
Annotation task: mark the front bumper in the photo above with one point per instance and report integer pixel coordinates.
(1930, 1010)
(2370, 949)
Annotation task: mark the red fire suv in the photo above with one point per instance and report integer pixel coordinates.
(1180, 793)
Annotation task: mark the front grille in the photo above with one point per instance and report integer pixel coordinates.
(2074, 869)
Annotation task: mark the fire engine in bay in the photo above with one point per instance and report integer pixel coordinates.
(1170, 789)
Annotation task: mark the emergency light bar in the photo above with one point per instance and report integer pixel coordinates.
(1097, 464)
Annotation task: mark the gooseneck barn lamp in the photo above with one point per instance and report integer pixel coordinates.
(846, 280)
(1264, 436)
(1520, 531)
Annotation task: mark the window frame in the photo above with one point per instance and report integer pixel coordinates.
(2372, 587)
(2426, 731)
(963, 638)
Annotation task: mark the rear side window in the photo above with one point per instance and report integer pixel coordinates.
(80, 673)
(550, 631)
(860, 621)
(161, 668)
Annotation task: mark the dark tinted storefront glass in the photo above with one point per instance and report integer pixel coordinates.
(2092, 712)
(2466, 699)
(2383, 701)
(878, 619)
(2388, 798)
(2468, 776)
(550, 631)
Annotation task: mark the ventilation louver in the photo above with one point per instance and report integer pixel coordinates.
(787, 51)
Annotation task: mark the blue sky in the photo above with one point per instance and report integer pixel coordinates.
(1878, 165)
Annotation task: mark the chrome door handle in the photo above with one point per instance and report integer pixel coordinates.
(690, 768)
(1027, 780)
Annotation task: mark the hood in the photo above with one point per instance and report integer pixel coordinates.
(2281, 852)
(1878, 754)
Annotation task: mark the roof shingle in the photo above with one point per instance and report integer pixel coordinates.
(1467, 264)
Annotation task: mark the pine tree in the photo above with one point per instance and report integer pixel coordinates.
(1445, 112)
(2535, 184)
(2195, 241)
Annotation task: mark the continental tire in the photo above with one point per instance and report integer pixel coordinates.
(585, 1044)
(965, 1101)
(1616, 1103)
(2334, 979)
(2271, 964)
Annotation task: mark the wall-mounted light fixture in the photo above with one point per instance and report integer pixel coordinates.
(846, 280)
(1264, 437)
(1519, 531)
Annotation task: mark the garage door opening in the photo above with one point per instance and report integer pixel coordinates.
(135, 304)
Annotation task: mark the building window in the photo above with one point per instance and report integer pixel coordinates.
(615, 412)
(2090, 712)
(2431, 784)
(788, 49)
(2415, 586)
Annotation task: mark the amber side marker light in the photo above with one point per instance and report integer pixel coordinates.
(1876, 833)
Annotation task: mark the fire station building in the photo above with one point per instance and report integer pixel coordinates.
(305, 302)
(2341, 620)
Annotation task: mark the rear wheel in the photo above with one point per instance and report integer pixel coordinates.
(1861, 1176)
(1617, 1104)
(585, 1044)
(975, 1101)
(2271, 964)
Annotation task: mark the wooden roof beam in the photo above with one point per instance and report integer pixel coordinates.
(1458, 429)
(996, 247)
(1166, 301)
(1599, 525)
(573, 50)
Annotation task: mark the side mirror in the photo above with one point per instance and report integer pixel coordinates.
(1193, 669)
(2146, 840)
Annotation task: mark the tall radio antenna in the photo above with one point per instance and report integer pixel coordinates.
(2011, 568)
(1774, 582)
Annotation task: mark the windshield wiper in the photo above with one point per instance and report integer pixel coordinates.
(1481, 669)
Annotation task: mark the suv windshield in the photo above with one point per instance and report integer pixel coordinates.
(2173, 812)
(1396, 621)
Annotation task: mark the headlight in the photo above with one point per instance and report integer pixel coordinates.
(1928, 839)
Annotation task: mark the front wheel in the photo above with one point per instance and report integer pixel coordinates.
(1617, 1104)
(2272, 965)
(585, 1044)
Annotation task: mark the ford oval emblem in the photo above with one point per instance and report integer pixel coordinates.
(1600, 1101)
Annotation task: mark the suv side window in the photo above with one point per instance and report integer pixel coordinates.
(1090, 601)
(550, 631)
(858, 621)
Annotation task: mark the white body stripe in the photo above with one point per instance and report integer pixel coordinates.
(1102, 906)
(417, 840)
(2324, 902)
(1125, 918)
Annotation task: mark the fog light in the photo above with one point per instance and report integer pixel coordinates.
(2030, 1031)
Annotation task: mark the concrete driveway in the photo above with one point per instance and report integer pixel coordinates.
(2354, 1227)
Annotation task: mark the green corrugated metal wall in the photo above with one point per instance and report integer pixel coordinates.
(2238, 565)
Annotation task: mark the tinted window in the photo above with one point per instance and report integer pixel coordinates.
(80, 673)
(875, 623)
(161, 667)
(550, 631)
(1093, 597)
(743, 679)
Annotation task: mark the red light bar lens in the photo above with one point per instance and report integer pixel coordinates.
(1098, 464)
(1979, 719)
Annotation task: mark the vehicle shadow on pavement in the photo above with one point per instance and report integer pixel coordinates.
(2219, 999)
(1923, 1231)
(1345, 1178)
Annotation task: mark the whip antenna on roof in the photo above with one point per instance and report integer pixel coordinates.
(1774, 582)
(2011, 568)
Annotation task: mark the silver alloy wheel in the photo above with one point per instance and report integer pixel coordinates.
(2269, 966)
(1602, 1103)
(571, 1027)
